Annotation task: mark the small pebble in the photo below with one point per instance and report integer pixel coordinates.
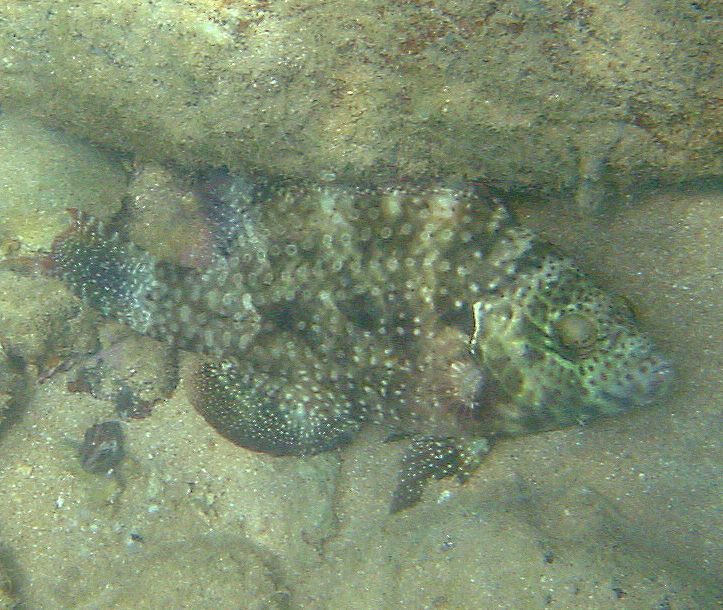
(102, 448)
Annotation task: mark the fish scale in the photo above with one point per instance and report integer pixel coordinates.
(430, 308)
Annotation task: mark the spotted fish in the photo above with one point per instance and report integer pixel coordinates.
(429, 309)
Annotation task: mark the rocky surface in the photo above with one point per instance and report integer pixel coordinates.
(166, 217)
(586, 95)
(9, 594)
(133, 372)
(43, 172)
(12, 386)
(41, 324)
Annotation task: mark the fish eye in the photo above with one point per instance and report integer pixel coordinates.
(576, 330)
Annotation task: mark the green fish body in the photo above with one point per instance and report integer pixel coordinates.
(430, 309)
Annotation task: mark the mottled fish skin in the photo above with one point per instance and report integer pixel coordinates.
(429, 308)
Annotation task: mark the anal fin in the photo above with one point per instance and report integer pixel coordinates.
(435, 458)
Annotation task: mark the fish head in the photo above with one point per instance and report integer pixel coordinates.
(556, 349)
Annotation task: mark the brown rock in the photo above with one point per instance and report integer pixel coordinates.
(586, 95)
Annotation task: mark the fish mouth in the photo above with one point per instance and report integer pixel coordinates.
(659, 380)
(644, 385)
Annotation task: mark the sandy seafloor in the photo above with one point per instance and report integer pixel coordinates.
(622, 513)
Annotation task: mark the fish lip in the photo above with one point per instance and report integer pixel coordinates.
(656, 384)
(660, 379)
(644, 392)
